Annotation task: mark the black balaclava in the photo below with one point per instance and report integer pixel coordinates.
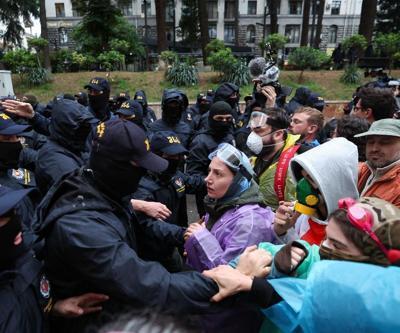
(172, 114)
(9, 251)
(173, 166)
(115, 178)
(99, 104)
(219, 128)
(9, 155)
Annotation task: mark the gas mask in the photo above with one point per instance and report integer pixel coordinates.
(307, 198)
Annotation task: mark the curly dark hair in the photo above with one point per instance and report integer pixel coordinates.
(380, 101)
(347, 127)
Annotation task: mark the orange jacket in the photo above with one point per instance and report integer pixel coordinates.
(384, 185)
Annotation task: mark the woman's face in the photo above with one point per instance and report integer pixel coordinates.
(336, 240)
(219, 179)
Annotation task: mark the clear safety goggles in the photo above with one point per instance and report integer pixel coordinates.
(257, 120)
(228, 154)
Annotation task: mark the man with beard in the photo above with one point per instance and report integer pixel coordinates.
(273, 148)
(307, 122)
(379, 176)
(169, 188)
(90, 241)
(220, 128)
(173, 104)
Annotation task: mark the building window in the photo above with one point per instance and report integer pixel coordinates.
(229, 33)
(335, 8)
(295, 7)
(146, 6)
(212, 10)
(252, 8)
(212, 30)
(251, 34)
(63, 36)
(293, 33)
(127, 10)
(332, 34)
(230, 9)
(60, 10)
(75, 12)
(169, 11)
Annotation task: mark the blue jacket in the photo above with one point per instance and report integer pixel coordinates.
(182, 129)
(23, 294)
(90, 246)
(69, 127)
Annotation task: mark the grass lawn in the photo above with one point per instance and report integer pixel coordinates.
(325, 83)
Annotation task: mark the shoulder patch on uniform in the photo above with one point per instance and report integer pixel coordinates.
(44, 287)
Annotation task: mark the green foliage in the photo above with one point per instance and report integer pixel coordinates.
(182, 74)
(238, 74)
(214, 46)
(357, 41)
(37, 76)
(277, 42)
(12, 14)
(389, 44)
(68, 61)
(351, 75)
(307, 57)
(110, 60)
(103, 28)
(189, 23)
(38, 43)
(169, 57)
(222, 60)
(19, 60)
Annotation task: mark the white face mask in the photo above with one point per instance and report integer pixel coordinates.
(255, 143)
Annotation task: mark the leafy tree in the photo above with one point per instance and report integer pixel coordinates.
(222, 60)
(101, 24)
(189, 23)
(307, 57)
(389, 44)
(388, 16)
(110, 60)
(358, 42)
(169, 57)
(10, 14)
(38, 44)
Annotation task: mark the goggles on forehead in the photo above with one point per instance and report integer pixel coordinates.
(233, 158)
(363, 220)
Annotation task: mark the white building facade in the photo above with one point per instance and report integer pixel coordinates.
(341, 19)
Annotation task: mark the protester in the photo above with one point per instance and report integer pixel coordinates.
(307, 122)
(379, 176)
(323, 175)
(363, 231)
(272, 146)
(374, 104)
(235, 219)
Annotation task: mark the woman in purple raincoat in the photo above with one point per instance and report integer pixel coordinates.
(235, 219)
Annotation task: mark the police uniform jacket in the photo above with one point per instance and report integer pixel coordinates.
(90, 246)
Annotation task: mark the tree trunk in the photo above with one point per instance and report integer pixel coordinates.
(45, 34)
(237, 22)
(160, 21)
(203, 19)
(318, 31)
(367, 19)
(273, 14)
(306, 23)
